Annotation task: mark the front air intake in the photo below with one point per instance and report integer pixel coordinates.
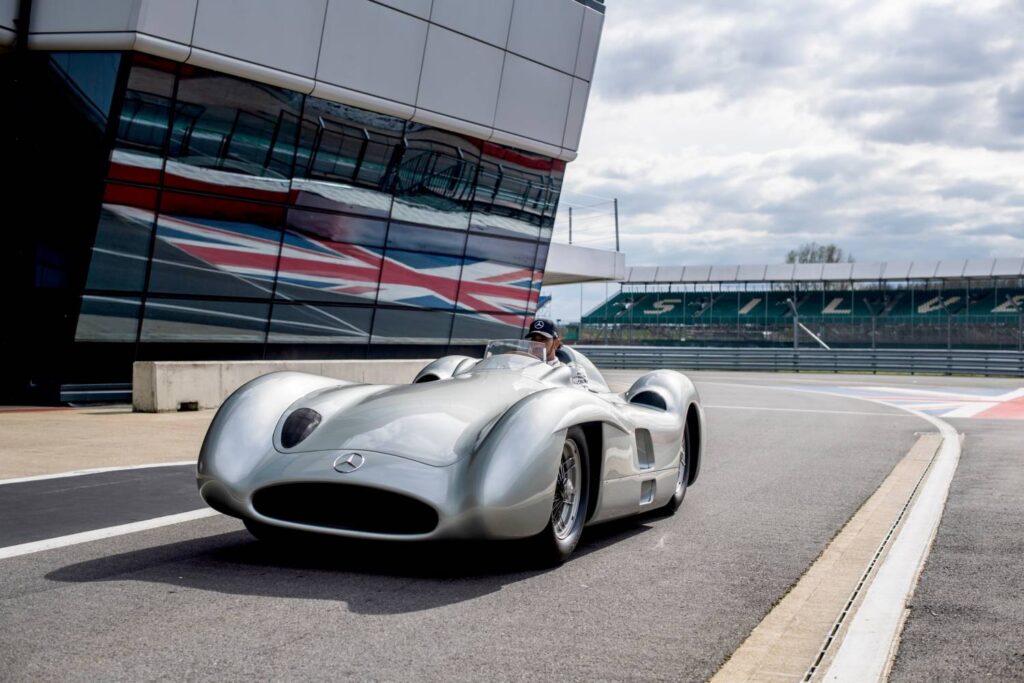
(346, 506)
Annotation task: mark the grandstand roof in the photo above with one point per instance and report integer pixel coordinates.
(829, 272)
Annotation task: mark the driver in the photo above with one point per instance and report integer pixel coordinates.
(546, 332)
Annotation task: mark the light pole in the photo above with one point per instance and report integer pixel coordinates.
(627, 308)
(882, 305)
(871, 310)
(615, 204)
(631, 305)
(949, 321)
(1020, 319)
(796, 322)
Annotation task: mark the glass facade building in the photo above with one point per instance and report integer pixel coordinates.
(165, 211)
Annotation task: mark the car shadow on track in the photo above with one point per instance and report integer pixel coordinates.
(371, 577)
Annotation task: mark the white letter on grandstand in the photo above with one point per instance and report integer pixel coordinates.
(833, 307)
(662, 306)
(934, 305)
(749, 306)
(1010, 306)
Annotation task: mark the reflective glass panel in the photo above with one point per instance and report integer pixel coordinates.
(232, 136)
(435, 180)
(191, 320)
(418, 279)
(506, 251)
(480, 329)
(492, 286)
(319, 324)
(407, 326)
(497, 275)
(215, 247)
(422, 266)
(60, 115)
(416, 238)
(542, 255)
(145, 121)
(551, 199)
(347, 158)
(108, 319)
(90, 78)
(330, 257)
(121, 248)
(534, 296)
(516, 192)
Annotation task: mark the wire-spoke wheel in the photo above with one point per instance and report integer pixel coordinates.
(569, 504)
(682, 476)
(566, 505)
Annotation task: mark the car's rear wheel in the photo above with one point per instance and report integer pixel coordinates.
(682, 474)
(569, 505)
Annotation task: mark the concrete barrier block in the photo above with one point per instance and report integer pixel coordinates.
(183, 383)
(144, 387)
(313, 367)
(391, 371)
(235, 374)
(161, 386)
(336, 370)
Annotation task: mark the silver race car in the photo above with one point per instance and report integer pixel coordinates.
(508, 446)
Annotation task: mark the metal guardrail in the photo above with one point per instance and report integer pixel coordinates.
(96, 393)
(912, 361)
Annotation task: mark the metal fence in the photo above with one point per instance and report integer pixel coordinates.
(913, 361)
(980, 332)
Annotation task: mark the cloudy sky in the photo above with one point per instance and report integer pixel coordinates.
(734, 130)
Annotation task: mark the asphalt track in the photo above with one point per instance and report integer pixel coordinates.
(649, 599)
(37, 510)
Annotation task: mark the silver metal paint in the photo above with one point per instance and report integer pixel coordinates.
(481, 444)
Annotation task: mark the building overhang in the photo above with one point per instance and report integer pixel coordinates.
(570, 264)
(527, 92)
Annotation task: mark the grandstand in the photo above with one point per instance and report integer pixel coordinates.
(977, 303)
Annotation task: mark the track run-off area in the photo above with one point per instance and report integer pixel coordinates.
(818, 498)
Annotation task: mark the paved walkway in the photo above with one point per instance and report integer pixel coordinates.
(34, 442)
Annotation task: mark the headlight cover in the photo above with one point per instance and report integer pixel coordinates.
(298, 426)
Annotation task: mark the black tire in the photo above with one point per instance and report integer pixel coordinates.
(555, 544)
(683, 476)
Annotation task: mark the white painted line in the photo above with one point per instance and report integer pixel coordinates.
(872, 641)
(108, 532)
(97, 470)
(812, 410)
(870, 644)
(970, 410)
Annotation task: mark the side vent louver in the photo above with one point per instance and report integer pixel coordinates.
(644, 449)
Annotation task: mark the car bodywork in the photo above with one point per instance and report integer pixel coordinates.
(470, 449)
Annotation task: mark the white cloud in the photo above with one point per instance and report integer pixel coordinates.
(733, 130)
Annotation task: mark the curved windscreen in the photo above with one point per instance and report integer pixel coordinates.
(516, 347)
(595, 381)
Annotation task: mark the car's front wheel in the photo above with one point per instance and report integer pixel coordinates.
(569, 505)
(682, 475)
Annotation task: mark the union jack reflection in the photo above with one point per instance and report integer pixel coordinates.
(201, 255)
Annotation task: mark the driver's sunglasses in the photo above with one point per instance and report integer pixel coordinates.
(537, 338)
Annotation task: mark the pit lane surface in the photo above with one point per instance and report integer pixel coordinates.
(59, 506)
(655, 598)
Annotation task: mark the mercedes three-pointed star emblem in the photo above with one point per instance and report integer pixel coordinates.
(350, 462)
